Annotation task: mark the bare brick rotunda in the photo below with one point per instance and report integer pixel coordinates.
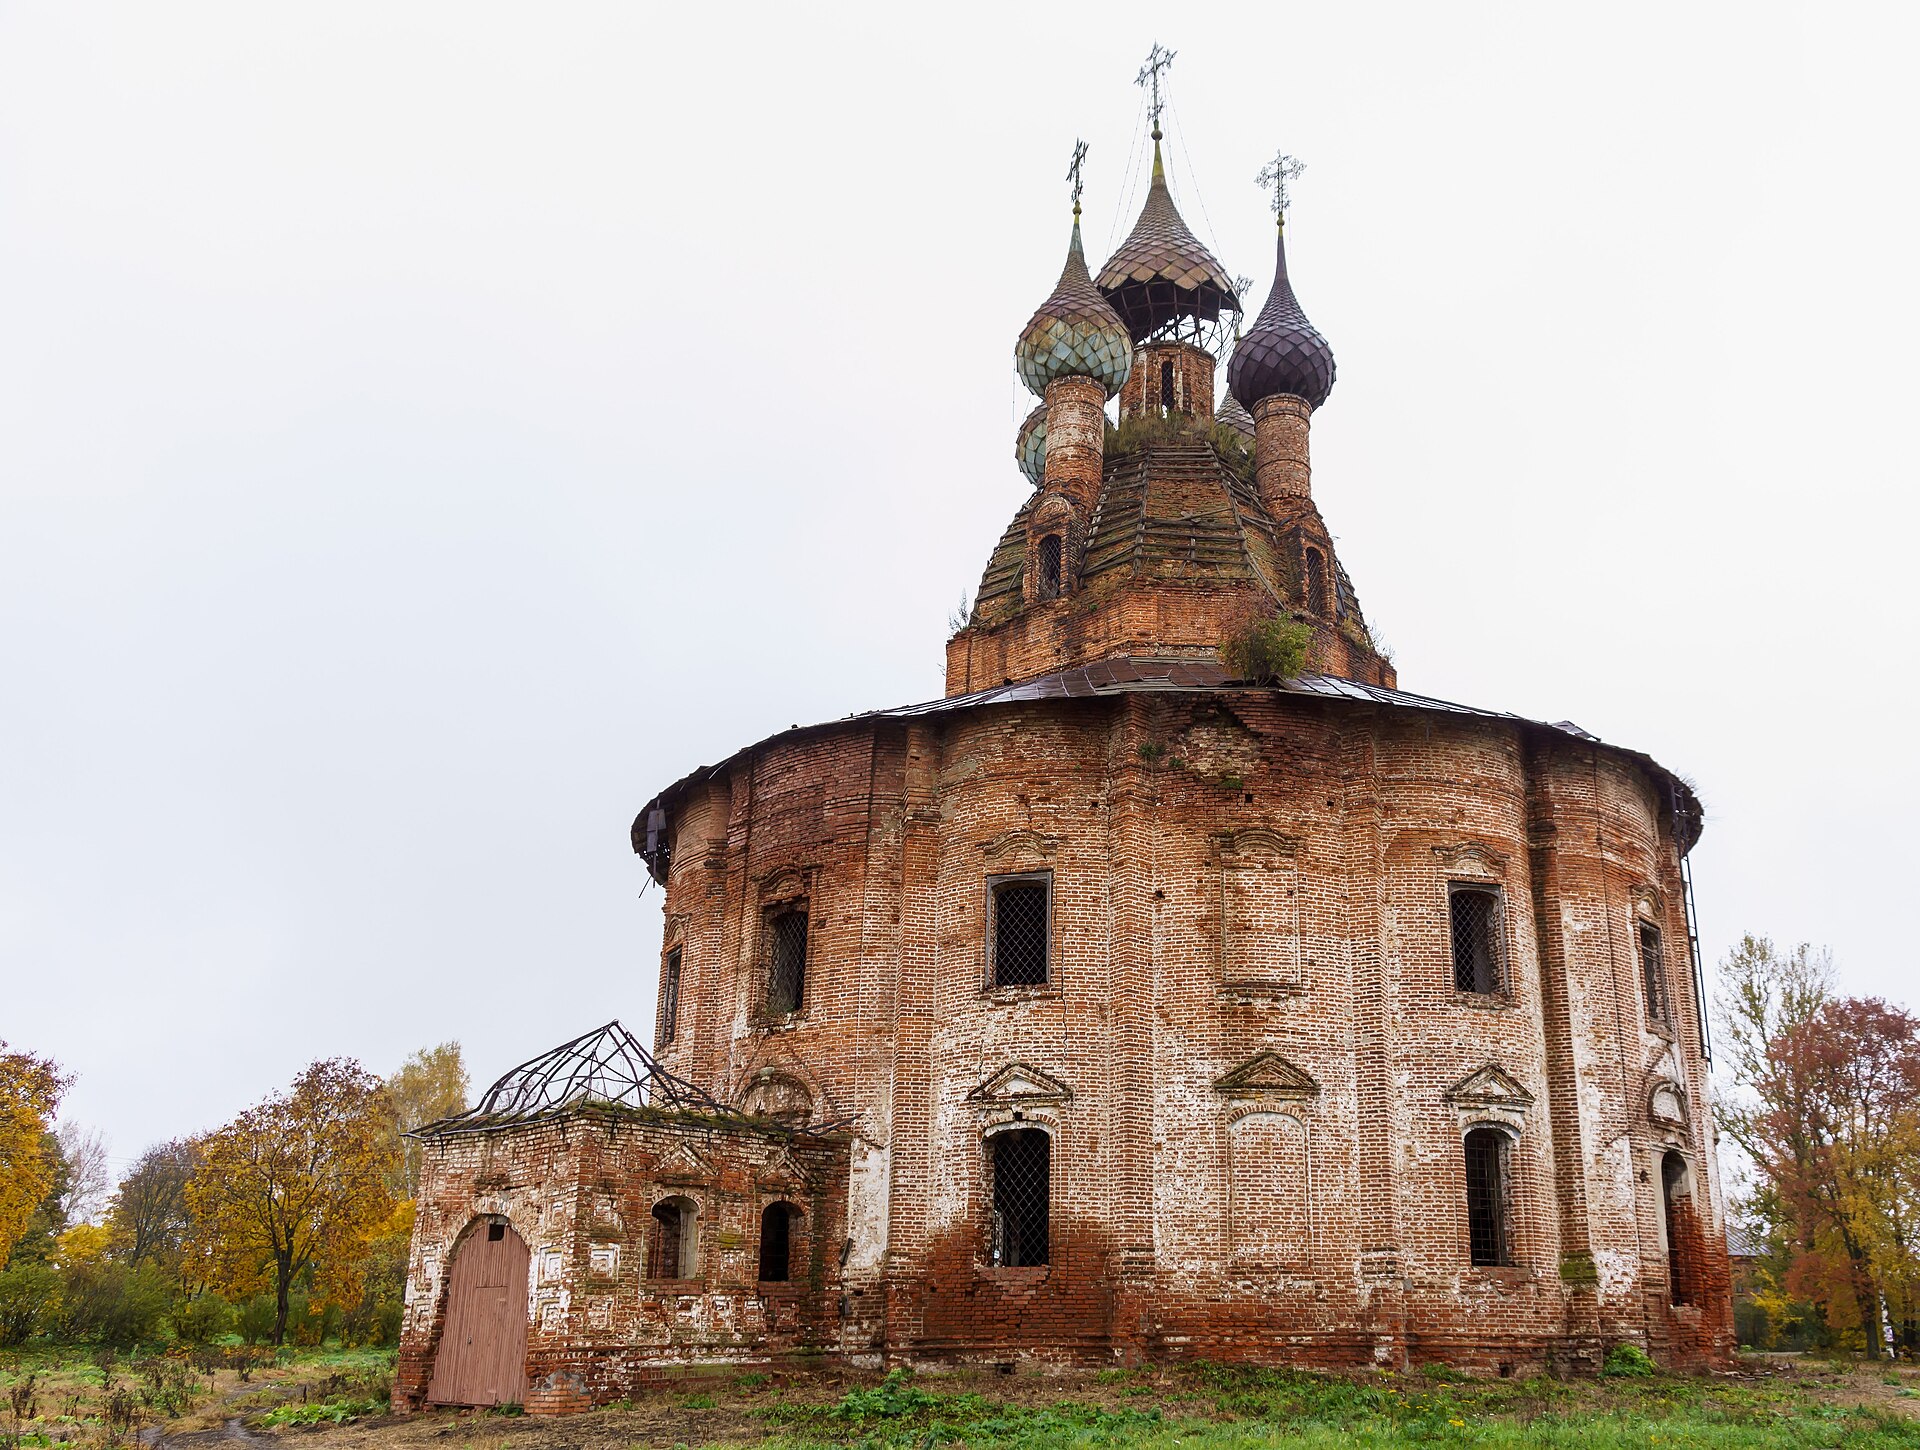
(1115, 1008)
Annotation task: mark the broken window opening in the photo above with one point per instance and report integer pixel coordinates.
(1049, 580)
(672, 1248)
(786, 960)
(1487, 1231)
(1474, 912)
(776, 1242)
(1677, 1203)
(496, 1232)
(669, 998)
(1653, 973)
(1021, 1197)
(1018, 932)
(1316, 581)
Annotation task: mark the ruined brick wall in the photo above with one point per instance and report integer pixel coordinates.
(580, 1190)
(1251, 1057)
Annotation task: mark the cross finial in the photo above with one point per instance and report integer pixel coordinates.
(1158, 59)
(1073, 172)
(1277, 173)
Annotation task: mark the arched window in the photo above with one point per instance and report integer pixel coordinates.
(786, 959)
(1050, 566)
(1653, 972)
(1316, 582)
(673, 1251)
(1022, 1197)
(1683, 1228)
(776, 1242)
(669, 1022)
(1166, 387)
(1489, 1235)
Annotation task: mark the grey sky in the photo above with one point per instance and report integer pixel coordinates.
(426, 430)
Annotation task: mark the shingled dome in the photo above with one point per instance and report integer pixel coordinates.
(1161, 274)
(1075, 334)
(1030, 445)
(1238, 420)
(1282, 352)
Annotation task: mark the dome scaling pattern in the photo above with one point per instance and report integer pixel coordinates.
(1075, 334)
(1232, 416)
(1161, 272)
(1030, 445)
(1282, 352)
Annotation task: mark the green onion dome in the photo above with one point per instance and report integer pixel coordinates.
(1030, 445)
(1076, 333)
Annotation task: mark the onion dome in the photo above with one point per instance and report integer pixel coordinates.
(1075, 334)
(1282, 352)
(1231, 415)
(1160, 273)
(1030, 445)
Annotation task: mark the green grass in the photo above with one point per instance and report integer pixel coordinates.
(1220, 1408)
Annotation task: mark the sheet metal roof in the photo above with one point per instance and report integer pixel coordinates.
(1127, 675)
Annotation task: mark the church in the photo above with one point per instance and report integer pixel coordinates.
(1175, 987)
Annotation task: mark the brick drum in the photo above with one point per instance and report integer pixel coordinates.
(1255, 1041)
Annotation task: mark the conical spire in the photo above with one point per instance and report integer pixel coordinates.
(1075, 333)
(1282, 352)
(1161, 275)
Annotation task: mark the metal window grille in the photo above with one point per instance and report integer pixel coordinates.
(776, 1243)
(1166, 386)
(787, 962)
(1486, 1151)
(1050, 566)
(1653, 970)
(1020, 933)
(669, 997)
(1316, 582)
(1021, 1197)
(1475, 914)
(670, 1250)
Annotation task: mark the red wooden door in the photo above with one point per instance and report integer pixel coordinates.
(482, 1359)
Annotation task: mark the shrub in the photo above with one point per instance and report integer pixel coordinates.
(202, 1320)
(29, 1301)
(1267, 650)
(115, 1305)
(1628, 1361)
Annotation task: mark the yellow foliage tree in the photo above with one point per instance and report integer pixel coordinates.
(429, 1086)
(303, 1181)
(30, 1089)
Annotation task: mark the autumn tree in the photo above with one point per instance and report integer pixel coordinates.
(148, 1214)
(300, 1183)
(429, 1086)
(30, 1089)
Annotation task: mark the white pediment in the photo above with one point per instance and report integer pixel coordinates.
(1491, 1087)
(1017, 1085)
(1267, 1075)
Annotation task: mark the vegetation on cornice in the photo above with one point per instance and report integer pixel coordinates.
(1267, 650)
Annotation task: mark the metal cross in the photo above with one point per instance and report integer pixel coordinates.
(1073, 172)
(1158, 59)
(1276, 174)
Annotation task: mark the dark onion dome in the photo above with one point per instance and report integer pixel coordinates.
(1075, 334)
(1282, 352)
(1030, 445)
(1238, 420)
(1161, 273)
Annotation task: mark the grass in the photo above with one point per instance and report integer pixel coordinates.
(1211, 1407)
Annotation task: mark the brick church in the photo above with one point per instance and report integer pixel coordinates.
(1124, 1004)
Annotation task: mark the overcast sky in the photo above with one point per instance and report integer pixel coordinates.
(427, 430)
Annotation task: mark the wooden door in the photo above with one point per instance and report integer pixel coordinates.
(482, 1359)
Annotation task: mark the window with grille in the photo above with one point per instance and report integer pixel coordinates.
(671, 1248)
(1316, 582)
(669, 997)
(1653, 972)
(1050, 566)
(1021, 1197)
(1475, 917)
(1166, 386)
(1018, 931)
(776, 1243)
(1487, 1236)
(786, 960)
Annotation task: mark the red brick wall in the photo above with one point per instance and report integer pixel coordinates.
(1233, 874)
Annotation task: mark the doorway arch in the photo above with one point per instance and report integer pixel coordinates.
(482, 1356)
